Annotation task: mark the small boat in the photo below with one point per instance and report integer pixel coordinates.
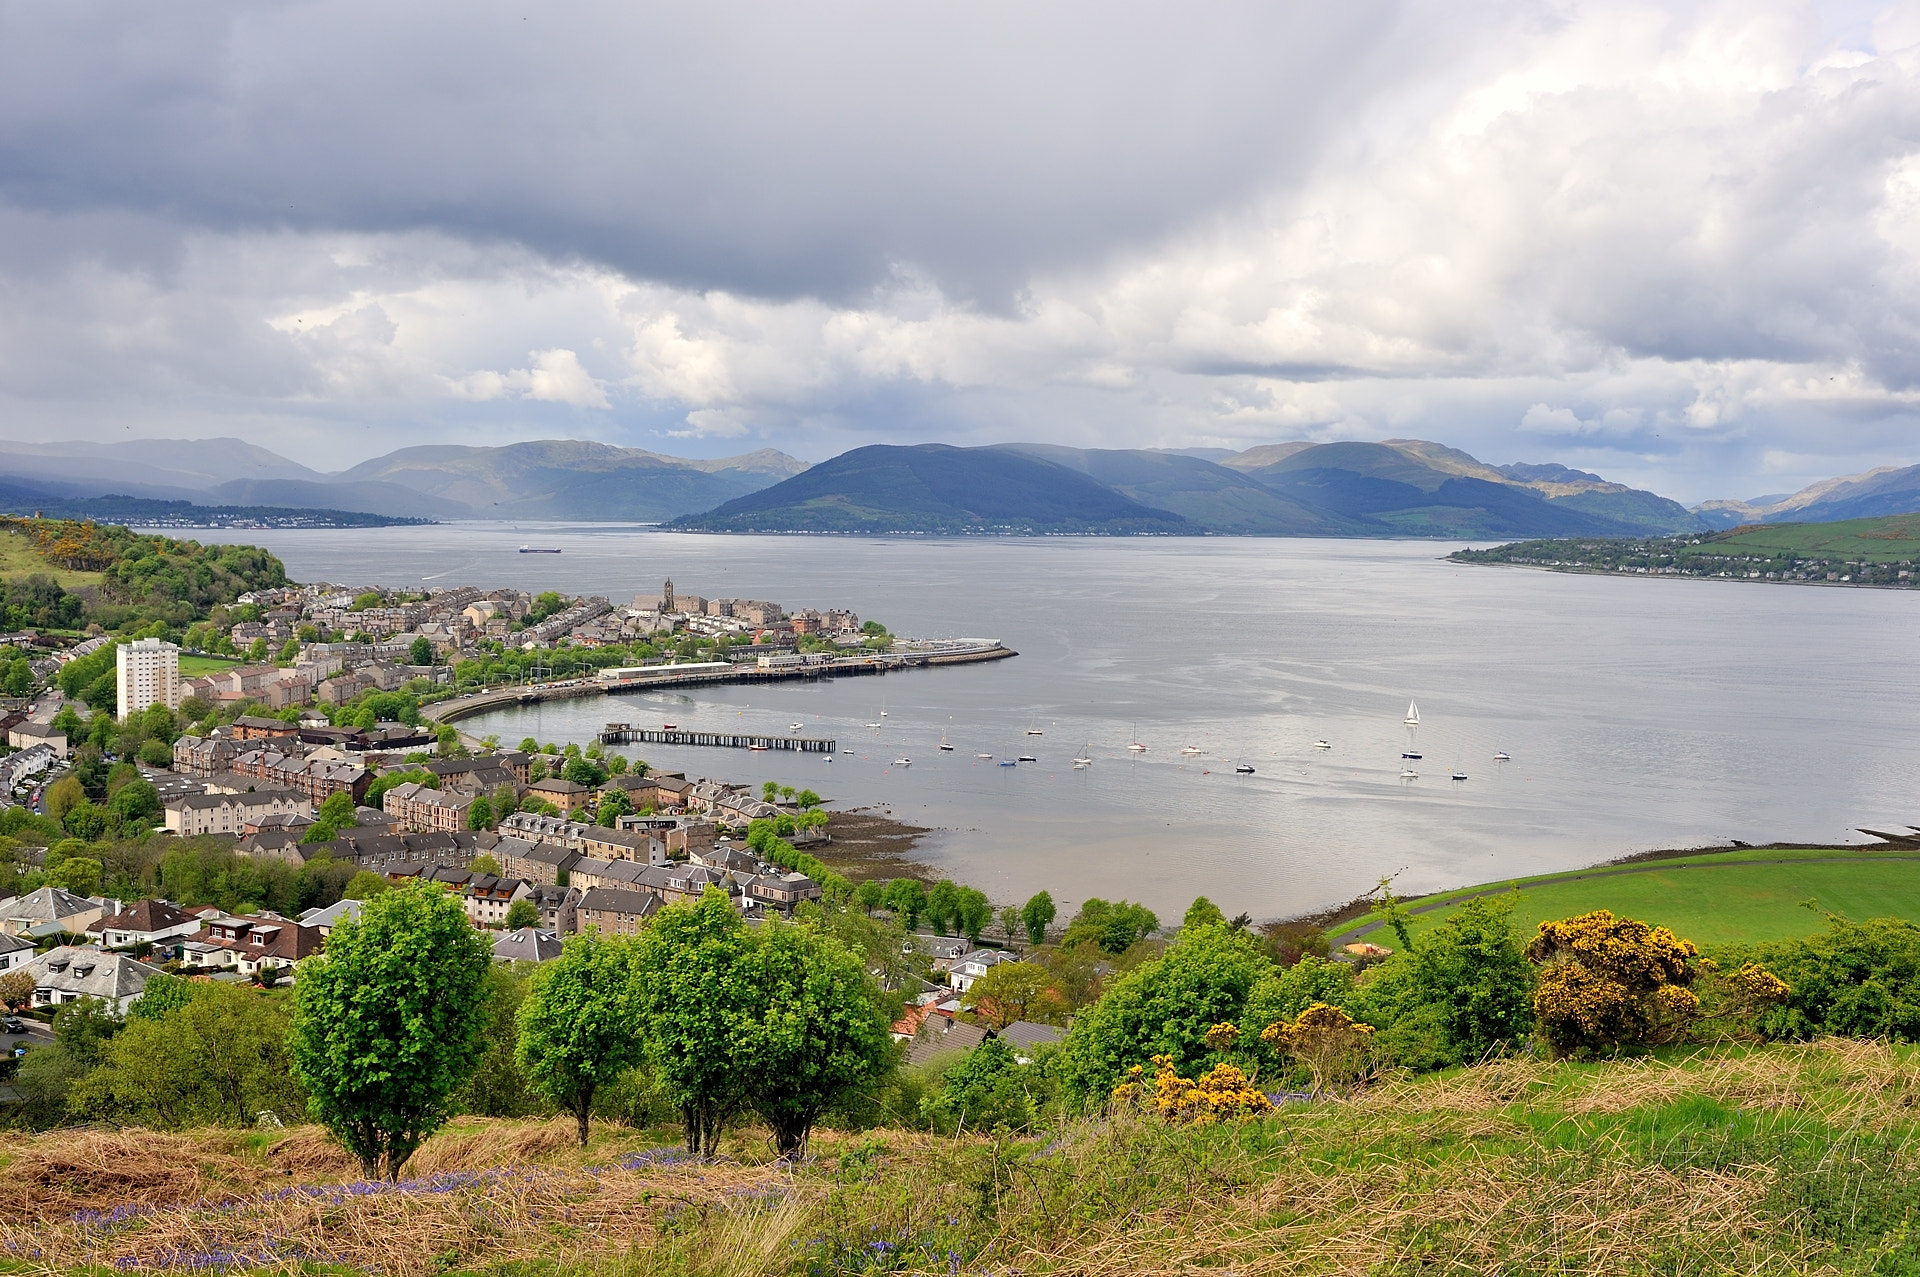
(1006, 762)
(1413, 715)
(1190, 749)
(1244, 769)
(875, 726)
(669, 727)
(756, 749)
(1407, 773)
(1081, 764)
(1502, 756)
(1459, 775)
(1323, 744)
(794, 727)
(1035, 731)
(1028, 758)
(537, 549)
(1411, 754)
(945, 748)
(1137, 748)
(903, 762)
(1086, 758)
(986, 756)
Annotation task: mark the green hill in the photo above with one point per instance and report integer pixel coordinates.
(934, 488)
(1208, 495)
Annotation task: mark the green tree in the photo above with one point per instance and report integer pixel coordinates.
(498, 1085)
(480, 814)
(365, 885)
(388, 1022)
(613, 805)
(1038, 914)
(690, 1001)
(972, 911)
(78, 874)
(907, 900)
(807, 799)
(1855, 979)
(577, 1024)
(220, 1057)
(63, 796)
(1165, 1006)
(770, 790)
(484, 864)
(420, 652)
(1203, 913)
(522, 913)
(869, 895)
(1114, 926)
(1464, 991)
(942, 902)
(136, 804)
(335, 814)
(1010, 924)
(814, 1028)
(1011, 991)
(987, 1088)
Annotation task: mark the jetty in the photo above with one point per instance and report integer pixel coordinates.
(626, 734)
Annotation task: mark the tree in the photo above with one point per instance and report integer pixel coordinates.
(388, 1022)
(972, 911)
(942, 902)
(907, 900)
(420, 652)
(689, 1001)
(480, 814)
(807, 800)
(522, 913)
(1038, 914)
(78, 874)
(257, 651)
(869, 895)
(1203, 913)
(1011, 991)
(1010, 924)
(528, 745)
(335, 814)
(813, 1030)
(577, 1024)
(219, 1056)
(16, 989)
(985, 1089)
(613, 805)
(365, 885)
(63, 796)
(137, 803)
(770, 790)
(1466, 989)
(1114, 926)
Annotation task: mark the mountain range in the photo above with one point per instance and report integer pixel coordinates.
(1394, 488)
(1398, 488)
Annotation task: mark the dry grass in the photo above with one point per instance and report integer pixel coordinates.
(51, 1176)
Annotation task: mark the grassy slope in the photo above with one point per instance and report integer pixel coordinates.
(1787, 1159)
(1892, 539)
(19, 558)
(1721, 898)
(194, 666)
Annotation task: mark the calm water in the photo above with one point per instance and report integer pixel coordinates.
(1639, 713)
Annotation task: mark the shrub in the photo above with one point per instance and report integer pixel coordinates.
(1856, 979)
(1612, 982)
(1221, 1092)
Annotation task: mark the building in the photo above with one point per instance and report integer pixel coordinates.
(27, 735)
(144, 922)
(232, 814)
(15, 952)
(488, 898)
(542, 863)
(970, 967)
(415, 806)
(67, 974)
(325, 920)
(563, 794)
(559, 908)
(250, 944)
(146, 673)
(616, 912)
(47, 912)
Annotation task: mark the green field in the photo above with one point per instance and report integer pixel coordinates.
(192, 666)
(1723, 898)
(1892, 539)
(19, 557)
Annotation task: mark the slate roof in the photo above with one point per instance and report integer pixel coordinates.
(1028, 1034)
(93, 973)
(528, 944)
(147, 916)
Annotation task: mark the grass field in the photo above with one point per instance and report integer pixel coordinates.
(1892, 539)
(1789, 1159)
(19, 558)
(1724, 898)
(192, 666)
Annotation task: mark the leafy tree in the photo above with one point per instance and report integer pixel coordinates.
(584, 771)
(869, 895)
(1165, 1006)
(1038, 914)
(220, 1056)
(1203, 913)
(86, 822)
(1113, 926)
(577, 1024)
(907, 900)
(498, 1086)
(484, 864)
(63, 796)
(420, 652)
(78, 874)
(522, 913)
(136, 804)
(257, 650)
(365, 885)
(987, 1088)
(942, 901)
(770, 790)
(16, 989)
(1010, 924)
(972, 911)
(807, 800)
(613, 805)
(1609, 982)
(1465, 990)
(335, 814)
(156, 753)
(388, 1022)
(814, 1028)
(163, 995)
(480, 814)
(1011, 991)
(690, 999)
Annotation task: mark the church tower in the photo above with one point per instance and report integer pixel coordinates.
(666, 599)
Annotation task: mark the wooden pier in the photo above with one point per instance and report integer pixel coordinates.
(624, 734)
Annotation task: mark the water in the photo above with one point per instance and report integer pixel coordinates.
(1639, 713)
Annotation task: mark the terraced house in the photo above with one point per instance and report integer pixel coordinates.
(417, 807)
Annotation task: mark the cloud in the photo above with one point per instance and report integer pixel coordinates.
(1674, 243)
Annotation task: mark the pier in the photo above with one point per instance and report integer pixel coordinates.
(625, 734)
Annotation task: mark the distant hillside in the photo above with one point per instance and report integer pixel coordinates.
(1210, 496)
(544, 479)
(1874, 494)
(934, 488)
(149, 513)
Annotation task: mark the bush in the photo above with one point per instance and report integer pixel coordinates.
(986, 1088)
(1856, 979)
(1612, 982)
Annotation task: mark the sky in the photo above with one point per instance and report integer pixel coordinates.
(1675, 244)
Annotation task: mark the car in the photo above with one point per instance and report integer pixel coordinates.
(12, 1024)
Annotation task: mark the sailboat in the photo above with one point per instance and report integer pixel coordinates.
(1085, 759)
(1136, 747)
(1190, 749)
(1033, 728)
(1502, 756)
(1243, 769)
(1413, 715)
(1028, 758)
(1323, 744)
(1458, 774)
(944, 747)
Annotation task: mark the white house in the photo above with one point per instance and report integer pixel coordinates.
(972, 966)
(15, 952)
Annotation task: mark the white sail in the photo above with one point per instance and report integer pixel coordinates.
(1413, 715)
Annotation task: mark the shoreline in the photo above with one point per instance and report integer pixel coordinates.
(868, 842)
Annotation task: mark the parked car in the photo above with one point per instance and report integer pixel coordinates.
(12, 1024)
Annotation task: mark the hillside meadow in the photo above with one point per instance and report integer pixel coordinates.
(1784, 1159)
